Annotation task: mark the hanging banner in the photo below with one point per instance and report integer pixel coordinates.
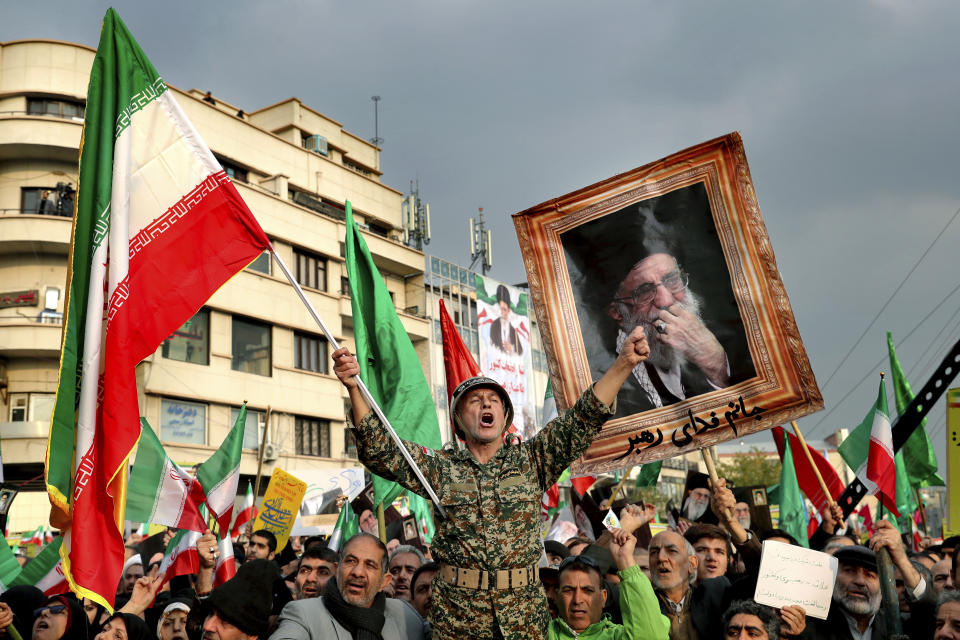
(504, 329)
(281, 503)
(953, 462)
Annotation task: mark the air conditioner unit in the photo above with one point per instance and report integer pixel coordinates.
(317, 143)
(271, 451)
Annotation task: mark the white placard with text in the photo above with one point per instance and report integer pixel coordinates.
(792, 575)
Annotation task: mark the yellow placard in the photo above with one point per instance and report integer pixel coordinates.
(280, 505)
(953, 462)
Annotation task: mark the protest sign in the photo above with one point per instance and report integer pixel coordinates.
(281, 503)
(798, 576)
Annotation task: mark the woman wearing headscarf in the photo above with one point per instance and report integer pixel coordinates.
(124, 626)
(60, 618)
(20, 602)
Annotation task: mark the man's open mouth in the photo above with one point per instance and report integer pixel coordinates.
(486, 419)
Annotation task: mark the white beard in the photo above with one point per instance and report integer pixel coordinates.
(662, 355)
(694, 509)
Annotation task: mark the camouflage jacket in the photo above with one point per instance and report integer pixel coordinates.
(493, 515)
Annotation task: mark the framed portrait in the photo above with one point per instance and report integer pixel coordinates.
(679, 248)
(7, 494)
(759, 497)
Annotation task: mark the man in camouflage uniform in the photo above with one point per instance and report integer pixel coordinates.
(489, 544)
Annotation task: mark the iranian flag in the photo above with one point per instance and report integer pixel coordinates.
(220, 474)
(181, 557)
(158, 228)
(45, 571)
(35, 537)
(248, 513)
(226, 564)
(868, 450)
(160, 491)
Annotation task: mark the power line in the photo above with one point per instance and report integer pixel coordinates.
(890, 299)
(881, 360)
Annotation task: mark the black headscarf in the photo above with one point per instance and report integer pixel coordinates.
(136, 628)
(23, 601)
(76, 617)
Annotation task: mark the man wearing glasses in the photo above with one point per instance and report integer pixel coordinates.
(686, 359)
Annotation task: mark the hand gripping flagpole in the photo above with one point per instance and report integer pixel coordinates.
(363, 388)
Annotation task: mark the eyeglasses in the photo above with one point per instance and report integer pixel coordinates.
(585, 560)
(674, 282)
(54, 609)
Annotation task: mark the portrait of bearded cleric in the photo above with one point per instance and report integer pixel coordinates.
(658, 264)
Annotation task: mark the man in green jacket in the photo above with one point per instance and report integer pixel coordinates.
(581, 596)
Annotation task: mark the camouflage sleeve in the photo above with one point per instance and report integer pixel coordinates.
(377, 451)
(567, 436)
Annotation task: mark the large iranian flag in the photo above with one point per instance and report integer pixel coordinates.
(158, 228)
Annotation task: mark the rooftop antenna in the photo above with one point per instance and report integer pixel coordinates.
(376, 139)
(415, 219)
(481, 243)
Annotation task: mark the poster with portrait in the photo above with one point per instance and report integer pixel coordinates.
(679, 248)
(504, 330)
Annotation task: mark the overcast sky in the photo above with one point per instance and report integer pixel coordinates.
(848, 112)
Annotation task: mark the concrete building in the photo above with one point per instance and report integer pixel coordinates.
(253, 340)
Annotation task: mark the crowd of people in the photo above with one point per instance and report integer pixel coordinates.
(692, 581)
(489, 574)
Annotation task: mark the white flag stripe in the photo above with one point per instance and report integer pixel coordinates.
(163, 163)
(223, 495)
(172, 494)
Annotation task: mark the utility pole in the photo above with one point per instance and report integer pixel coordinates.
(481, 243)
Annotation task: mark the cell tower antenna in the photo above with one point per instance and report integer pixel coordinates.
(481, 243)
(415, 218)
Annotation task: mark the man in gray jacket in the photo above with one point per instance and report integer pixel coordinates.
(353, 605)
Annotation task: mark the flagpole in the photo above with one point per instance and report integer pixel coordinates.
(813, 465)
(263, 448)
(712, 471)
(616, 490)
(361, 386)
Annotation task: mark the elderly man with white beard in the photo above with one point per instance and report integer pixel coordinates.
(855, 612)
(686, 359)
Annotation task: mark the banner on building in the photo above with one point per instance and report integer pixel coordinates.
(504, 327)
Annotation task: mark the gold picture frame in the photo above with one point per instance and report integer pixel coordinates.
(698, 207)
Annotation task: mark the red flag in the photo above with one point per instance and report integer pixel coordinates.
(458, 362)
(582, 483)
(805, 475)
(867, 518)
(550, 500)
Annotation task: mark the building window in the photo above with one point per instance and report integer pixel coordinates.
(251, 430)
(27, 407)
(191, 342)
(251, 347)
(232, 169)
(45, 201)
(310, 352)
(261, 264)
(311, 270)
(57, 108)
(349, 443)
(344, 285)
(182, 421)
(312, 437)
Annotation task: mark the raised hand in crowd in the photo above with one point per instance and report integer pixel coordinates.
(887, 536)
(6, 617)
(722, 502)
(793, 620)
(634, 516)
(622, 544)
(144, 593)
(207, 552)
(832, 518)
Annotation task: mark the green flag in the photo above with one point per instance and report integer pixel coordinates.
(649, 474)
(792, 513)
(420, 508)
(9, 567)
(920, 460)
(388, 362)
(348, 525)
